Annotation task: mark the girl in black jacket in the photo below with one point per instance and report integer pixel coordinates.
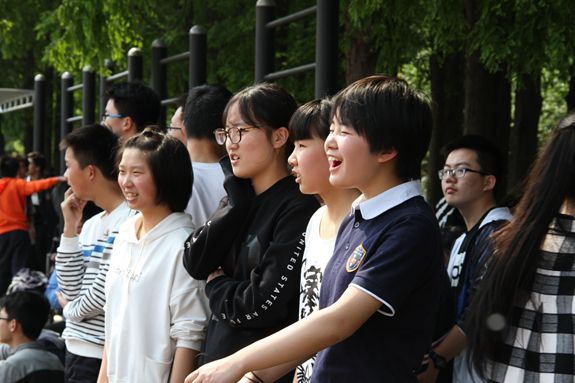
(250, 249)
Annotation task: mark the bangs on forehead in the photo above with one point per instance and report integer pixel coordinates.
(311, 120)
(300, 131)
(349, 113)
(245, 107)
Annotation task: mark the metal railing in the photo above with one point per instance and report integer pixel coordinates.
(197, 56)
(325, 66)
(88, 88)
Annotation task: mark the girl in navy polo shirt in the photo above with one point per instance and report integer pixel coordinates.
(380, 291)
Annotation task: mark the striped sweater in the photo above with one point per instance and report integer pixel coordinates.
(82, 264)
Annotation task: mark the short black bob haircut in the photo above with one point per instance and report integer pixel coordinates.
(137, 101)
(9, 166)
(265, 105)
(389, 114)
(29, 308)
(94, 145)
(169, 163)
(203, 110)
(489, 158)
(311, 120)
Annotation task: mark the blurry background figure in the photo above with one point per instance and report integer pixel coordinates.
(41, 215)
(22, 166)
(14, 237)
(451, 224)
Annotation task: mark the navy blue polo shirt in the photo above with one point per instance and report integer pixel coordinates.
(390, 248)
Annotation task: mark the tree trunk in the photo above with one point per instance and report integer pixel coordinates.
(361, 58)
(28, 76)
(447, 106)
(570, 98)
(2, 143)
(55, 137)
(487, 110)
(48, 122)
(523, 143)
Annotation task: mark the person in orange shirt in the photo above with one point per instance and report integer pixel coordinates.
(14, 237)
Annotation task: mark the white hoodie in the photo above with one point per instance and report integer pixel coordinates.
(152, 304)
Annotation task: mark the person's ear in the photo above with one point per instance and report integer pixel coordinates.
(184, 130)
(13, 325)
(387, 155)
(128, 124)
(91, 171)
(280, 137)
(490, 182)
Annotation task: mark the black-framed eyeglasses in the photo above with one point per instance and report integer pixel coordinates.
(234, 133)
(457, 173)
(104, 116)
(170, 128)
(8, 319)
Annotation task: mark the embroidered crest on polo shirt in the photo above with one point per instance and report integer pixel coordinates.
(355, 259)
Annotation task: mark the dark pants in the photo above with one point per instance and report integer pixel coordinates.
(14, 253)
(41, 246)
(80, 369)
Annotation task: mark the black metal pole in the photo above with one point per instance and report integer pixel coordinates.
(160, 74)
(39, 111)
(66, 112)
(109, 64)
(326, 48)
(265, 39)
(198, 56)
(88, 96)
(135, 65)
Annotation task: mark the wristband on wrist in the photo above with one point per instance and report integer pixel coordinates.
(438, 360)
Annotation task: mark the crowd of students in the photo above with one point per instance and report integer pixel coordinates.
(215, 261)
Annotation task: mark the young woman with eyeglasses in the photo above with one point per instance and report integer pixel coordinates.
(250, 249)
(520, 323)
(156, 314)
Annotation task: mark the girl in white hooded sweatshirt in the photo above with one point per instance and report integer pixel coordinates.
(156, 314)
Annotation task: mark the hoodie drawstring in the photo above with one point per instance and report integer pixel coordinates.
(131, 275)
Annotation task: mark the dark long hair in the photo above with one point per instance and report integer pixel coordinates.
(511, 270)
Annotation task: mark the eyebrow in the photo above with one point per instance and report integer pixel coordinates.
(133, 166)
(457, 164)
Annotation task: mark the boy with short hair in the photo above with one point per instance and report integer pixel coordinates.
(83, 261)
(176, 128)
(202, 114)
(22, 318)
(131, 107)
(473, 170)
(381, 287)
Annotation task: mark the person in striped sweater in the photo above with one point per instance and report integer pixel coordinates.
(83, 260)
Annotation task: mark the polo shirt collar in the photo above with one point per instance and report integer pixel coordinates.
(387, 200)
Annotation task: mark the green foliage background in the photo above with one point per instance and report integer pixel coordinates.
(50, 37)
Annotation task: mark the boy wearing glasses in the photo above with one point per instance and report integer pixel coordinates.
(469, 178)
(22, 317)
(131, 107)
